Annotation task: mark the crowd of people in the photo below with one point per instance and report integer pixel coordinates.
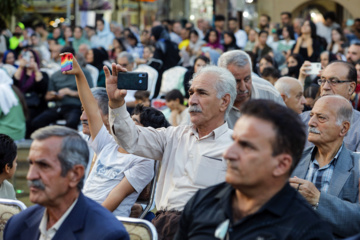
(257, 130)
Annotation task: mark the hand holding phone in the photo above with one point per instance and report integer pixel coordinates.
(66, 62)
(132, 80)
(315, 69)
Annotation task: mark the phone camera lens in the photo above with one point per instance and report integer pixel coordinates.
(140, 81)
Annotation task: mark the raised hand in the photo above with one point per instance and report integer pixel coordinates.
(116, 96)
(76, 69)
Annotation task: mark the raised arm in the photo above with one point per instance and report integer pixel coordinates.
(141, 141)
(88, 101)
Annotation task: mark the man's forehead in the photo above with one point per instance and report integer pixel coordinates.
(204, 81)
(335, 70)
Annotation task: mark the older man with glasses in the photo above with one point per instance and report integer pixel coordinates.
(339, 78)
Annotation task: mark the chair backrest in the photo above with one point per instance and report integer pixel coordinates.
(173, 78)
(147, 195)
(152, 77)
(139, 229)
(8, 208)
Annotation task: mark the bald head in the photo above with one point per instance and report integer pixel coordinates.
(341, 106)
(329, 121)
(291, 91)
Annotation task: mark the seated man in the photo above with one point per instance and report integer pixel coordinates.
(57, 158)
(292, 93)
(339, 78)
(190, 154)
(8, 157)
(117, 178)
(179, 112)
(62, 89)
(328, 174)
(239, 64)
(256, 201)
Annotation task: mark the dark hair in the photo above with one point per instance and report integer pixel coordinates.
(150, 117)
(142, 95)
(206, 38)
(330, 15)
(267, 16)
(286, 13)
(291, 32)
(194, 32)
(120, 41)
(79, 27)
(133, 37)
(271, 72)
(68, 49)
(233, 19)
(263, 31)
(8, 151)
(311, 91)
(219, 17)
(313, 28)
(173, 95)
(290, 133)
(352, 75)
(204, 58)
(100, 19)
(269, 59)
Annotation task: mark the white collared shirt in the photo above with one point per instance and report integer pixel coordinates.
(188, 163)
(50, 233)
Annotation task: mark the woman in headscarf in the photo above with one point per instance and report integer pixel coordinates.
(32, 82)
(104, 37)
(9, 62)
(212, 39)
(12, 108)
(96, 57)
(229, 41)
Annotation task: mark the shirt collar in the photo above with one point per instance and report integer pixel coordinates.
(52, 230)
(216, 133)
(333, 161)
(277, 205)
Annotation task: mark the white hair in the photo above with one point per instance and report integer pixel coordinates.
(225, 84)
(237, 57)
(283, 85)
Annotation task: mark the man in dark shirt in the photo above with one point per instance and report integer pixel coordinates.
(256, 202)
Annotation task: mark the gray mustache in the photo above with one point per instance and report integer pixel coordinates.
(313, 130)
(85, 122)
(36, 183)
(195, 108)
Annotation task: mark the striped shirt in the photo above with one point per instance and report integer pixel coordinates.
(321, 177)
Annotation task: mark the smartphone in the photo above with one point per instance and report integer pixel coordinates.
(26, 57)
(315, 69)
(133, 80)
(67, 62)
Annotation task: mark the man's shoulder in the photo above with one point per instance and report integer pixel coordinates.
(206, 197)
(264, 86)
(33, 212)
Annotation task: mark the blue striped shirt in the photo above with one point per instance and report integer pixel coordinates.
(321, 177)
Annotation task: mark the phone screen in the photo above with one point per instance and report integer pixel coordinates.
(133, 80)
(66, 62)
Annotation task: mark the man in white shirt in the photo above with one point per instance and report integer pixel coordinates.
(240, 35)
(191, 155)
(58, 158)
(248, 87)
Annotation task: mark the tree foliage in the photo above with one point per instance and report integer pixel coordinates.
(9, 8)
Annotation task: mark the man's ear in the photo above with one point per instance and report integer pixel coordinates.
(225, 101)
(345, 126)
(283, 96)
(7, 168)
(75, 175)
(283, 165)
(352, 88)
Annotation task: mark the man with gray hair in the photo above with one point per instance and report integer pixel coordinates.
(190, 154)
(248, 87)
(292, 93)
(57, 159)
(328, 173)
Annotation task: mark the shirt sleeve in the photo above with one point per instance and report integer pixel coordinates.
(102, 139)
(141, 141)
(140, 174)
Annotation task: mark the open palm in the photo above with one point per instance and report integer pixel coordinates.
(116, 96)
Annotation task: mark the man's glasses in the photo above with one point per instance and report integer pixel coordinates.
(331, 81)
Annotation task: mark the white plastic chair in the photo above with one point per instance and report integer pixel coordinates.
(139, 229)
(173, 78)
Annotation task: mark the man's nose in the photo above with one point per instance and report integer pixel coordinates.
(32, 173)
(241, 85)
